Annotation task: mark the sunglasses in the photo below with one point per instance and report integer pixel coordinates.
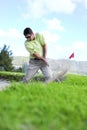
(28, 36)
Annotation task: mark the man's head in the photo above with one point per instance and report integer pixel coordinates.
(28, 33)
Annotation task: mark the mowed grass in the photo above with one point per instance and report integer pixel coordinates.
(39, 106)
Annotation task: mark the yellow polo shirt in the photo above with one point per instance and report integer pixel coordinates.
(35, 46)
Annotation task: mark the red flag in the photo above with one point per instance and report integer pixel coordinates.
(71, 56)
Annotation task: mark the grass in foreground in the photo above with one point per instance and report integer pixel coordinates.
(39, 106)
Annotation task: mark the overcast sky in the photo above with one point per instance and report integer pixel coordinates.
(62, 22)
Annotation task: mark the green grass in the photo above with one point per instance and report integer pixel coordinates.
(39, 106)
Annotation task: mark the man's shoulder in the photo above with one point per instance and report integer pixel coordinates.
(38, 34)
(27, 42)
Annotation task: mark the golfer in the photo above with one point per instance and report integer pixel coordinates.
(36, 46)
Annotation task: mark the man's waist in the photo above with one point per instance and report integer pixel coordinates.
(34, 59)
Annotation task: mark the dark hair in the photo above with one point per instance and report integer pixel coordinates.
(27, 31)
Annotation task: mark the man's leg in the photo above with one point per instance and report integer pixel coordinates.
(31, 71)
(46, 72)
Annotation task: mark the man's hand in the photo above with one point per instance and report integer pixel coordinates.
(41, 58)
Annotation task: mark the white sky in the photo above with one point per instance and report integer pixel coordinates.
(62, 22)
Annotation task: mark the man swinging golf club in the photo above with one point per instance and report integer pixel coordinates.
(36, 46)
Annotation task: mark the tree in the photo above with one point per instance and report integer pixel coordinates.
(6, 58)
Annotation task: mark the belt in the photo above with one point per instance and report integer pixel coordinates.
(35, 59)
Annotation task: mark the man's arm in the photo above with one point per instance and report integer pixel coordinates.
(44, 50)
